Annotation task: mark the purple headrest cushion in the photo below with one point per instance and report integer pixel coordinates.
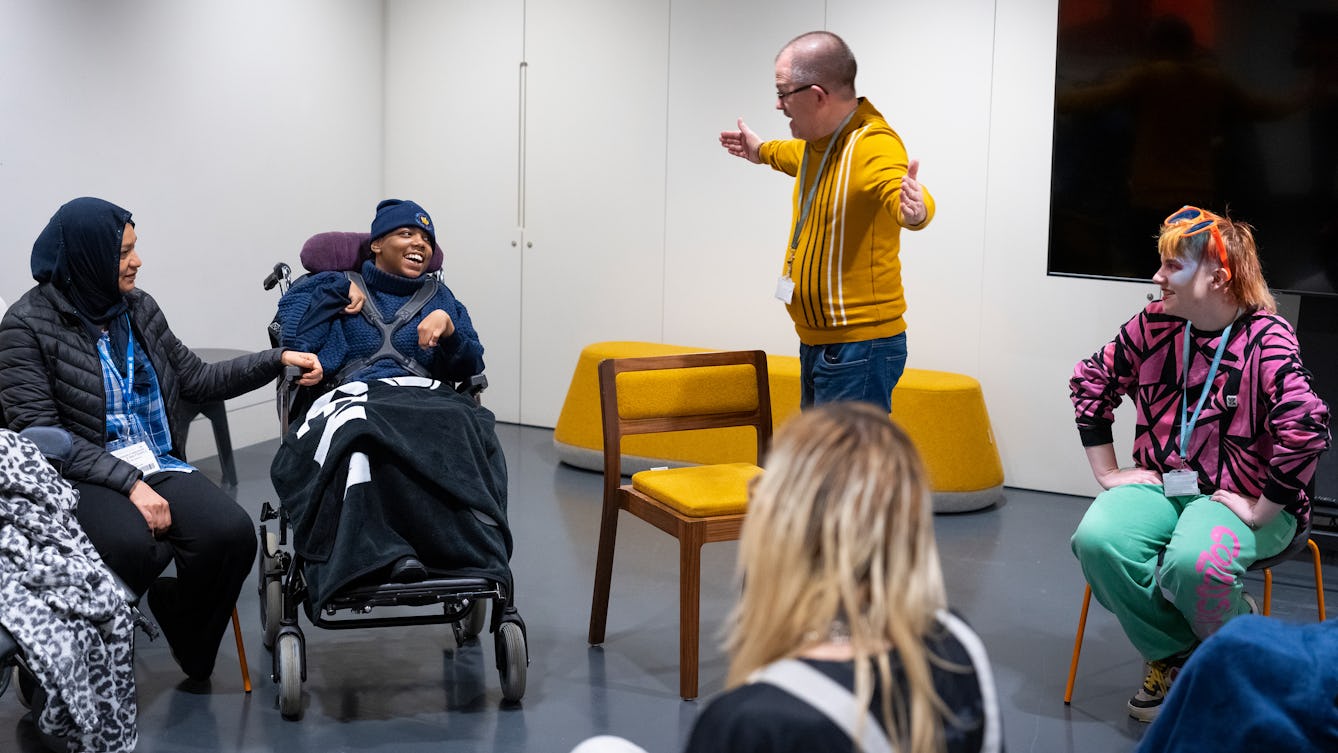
(337, 251)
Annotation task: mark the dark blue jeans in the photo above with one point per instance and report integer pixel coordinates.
(865, 370)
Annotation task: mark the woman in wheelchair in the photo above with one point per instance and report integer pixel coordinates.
(417, 483)
(435, 340)
(87, 351)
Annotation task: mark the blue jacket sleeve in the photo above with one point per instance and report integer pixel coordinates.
(307, 316)
(459, 356)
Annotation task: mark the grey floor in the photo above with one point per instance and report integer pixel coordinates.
(1008, 571)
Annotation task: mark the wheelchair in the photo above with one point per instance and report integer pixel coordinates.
(461, 602)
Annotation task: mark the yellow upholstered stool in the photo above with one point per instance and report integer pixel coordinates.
(944, 414)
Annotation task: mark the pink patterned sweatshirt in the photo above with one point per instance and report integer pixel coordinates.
(1260, 432)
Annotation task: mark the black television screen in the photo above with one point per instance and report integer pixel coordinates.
(1229, 105)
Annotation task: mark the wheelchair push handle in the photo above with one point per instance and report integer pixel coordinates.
(279, 274)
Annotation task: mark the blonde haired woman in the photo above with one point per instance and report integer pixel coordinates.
(841, 632)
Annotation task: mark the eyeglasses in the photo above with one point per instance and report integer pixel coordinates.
(1203, 222)
(782, 95)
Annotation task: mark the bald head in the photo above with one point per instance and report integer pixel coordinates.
(822, 58)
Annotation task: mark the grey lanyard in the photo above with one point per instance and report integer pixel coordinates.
(813, 189)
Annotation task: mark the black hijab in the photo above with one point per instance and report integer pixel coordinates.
(79, 252)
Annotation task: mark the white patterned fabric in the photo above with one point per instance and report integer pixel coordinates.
(63, 607)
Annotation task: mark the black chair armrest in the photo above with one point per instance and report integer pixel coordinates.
(473, 385)
(53, 442)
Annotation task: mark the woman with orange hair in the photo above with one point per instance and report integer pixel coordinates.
(1229, 430)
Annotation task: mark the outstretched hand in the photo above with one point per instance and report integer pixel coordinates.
(912, 198)
(742, 143)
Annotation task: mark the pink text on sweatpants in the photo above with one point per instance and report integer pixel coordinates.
(1214, 590)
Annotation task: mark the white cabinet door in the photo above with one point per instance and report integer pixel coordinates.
(452, 131)
(593, 262)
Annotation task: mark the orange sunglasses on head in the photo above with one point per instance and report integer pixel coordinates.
(1202, 222)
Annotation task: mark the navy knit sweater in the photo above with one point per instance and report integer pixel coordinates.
(312, 319)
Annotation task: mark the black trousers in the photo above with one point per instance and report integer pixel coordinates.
(211, 540)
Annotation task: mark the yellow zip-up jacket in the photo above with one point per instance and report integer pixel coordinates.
(847, 269)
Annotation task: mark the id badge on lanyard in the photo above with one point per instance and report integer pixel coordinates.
(138, 453)
(1185, 481)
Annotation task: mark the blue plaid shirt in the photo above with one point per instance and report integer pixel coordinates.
(139, 416)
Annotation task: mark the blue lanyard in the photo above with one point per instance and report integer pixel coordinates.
(1187, 422)
(127, 384)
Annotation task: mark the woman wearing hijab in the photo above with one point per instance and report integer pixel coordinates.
(86, 350)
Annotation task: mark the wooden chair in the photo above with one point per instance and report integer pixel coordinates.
(1300, 541)
(695, 504)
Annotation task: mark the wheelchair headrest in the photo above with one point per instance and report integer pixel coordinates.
(337, 251)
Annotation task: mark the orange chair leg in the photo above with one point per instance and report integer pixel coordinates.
(1077, 644)
(1268, 591)
(241, 651)
(1319, 578)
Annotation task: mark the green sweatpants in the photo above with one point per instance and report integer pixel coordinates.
(1169, 568)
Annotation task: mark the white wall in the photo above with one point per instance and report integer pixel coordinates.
(232, 130)
(235, 129)
(1034, 328)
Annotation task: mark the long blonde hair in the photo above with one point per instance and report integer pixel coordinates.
(840, 527)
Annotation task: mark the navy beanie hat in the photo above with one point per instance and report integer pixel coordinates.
(393, 214)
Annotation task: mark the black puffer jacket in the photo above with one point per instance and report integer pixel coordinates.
(50, 375)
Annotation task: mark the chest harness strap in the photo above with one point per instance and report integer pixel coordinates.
(406, 312)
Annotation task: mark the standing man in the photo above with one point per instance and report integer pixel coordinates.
(856, 190)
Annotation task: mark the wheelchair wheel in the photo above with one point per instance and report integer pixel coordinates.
(290, 675)
(512, 659)
(271, 587)
(271, 611)
(27, 685)
(471, 623)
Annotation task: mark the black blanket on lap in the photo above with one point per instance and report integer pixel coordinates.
(394, 467)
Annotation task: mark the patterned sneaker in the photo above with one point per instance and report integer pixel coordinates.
(1146, 703)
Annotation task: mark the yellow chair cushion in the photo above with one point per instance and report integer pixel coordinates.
(701, 490)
